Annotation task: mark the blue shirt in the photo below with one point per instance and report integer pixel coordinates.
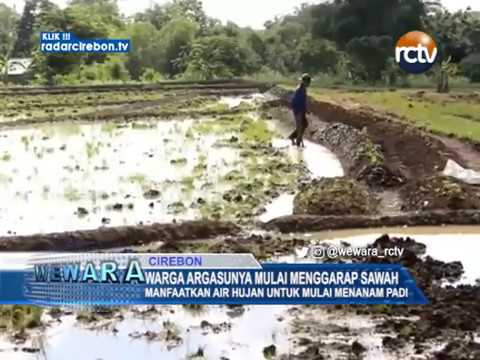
(299, 100)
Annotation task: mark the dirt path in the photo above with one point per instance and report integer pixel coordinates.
(107, 238)
(469, 153)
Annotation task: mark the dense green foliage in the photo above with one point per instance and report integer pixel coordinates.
(8, 21)
(351, 40)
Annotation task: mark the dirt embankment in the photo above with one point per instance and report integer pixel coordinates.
(362, 159)
(406, 149)
(174, 105)
(308, 223)
(205, 86)
(107, 238)
(440, 192)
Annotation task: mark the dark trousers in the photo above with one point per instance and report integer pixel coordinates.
(301, 124)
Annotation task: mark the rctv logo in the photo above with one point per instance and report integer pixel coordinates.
(416, 52)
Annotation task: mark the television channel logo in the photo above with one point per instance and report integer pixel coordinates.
(416, 52)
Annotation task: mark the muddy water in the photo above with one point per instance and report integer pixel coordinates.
(320, 162)
(57, 171)
(232, 336)
(52, 171)
(360, 328)
(244, 335)
(281, 206)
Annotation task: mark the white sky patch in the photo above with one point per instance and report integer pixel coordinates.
(252, 13)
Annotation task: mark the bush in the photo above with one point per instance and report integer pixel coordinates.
(151, 76)
(219, 57)
(319, 56)
(370, 55)
(269, 75)
(112, 71)
(471, 67)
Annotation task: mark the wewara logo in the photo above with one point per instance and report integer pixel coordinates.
(416, 52)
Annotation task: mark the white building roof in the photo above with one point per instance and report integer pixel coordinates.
(18, 66)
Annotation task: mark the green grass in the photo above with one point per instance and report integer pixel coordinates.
(215, 106)
(25, 141)
(71, 194)
(92, 149)
(6, 156)
(339, 81)
(139, 125)
(179, 162)
(221, 125)
(257, 131)
(137, 178)
(109, 127)
(65, 129)
(188, 183)
(444, 114)
(5, 179)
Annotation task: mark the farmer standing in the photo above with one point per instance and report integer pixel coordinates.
(299, 107)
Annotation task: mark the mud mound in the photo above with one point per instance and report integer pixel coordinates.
(458, 350)
(439, 192)
(427, 271)
(381, 176)
(352, 145)
(335, 196)
(362, 159)
(452, 311)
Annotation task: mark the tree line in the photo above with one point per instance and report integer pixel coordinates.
(351, 40)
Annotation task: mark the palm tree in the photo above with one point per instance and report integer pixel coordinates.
(451, 33)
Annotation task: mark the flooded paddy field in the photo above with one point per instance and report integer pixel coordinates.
(79, 161)
(116, 173)
(215, 333)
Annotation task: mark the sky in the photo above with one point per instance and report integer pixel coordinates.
(252, 13)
